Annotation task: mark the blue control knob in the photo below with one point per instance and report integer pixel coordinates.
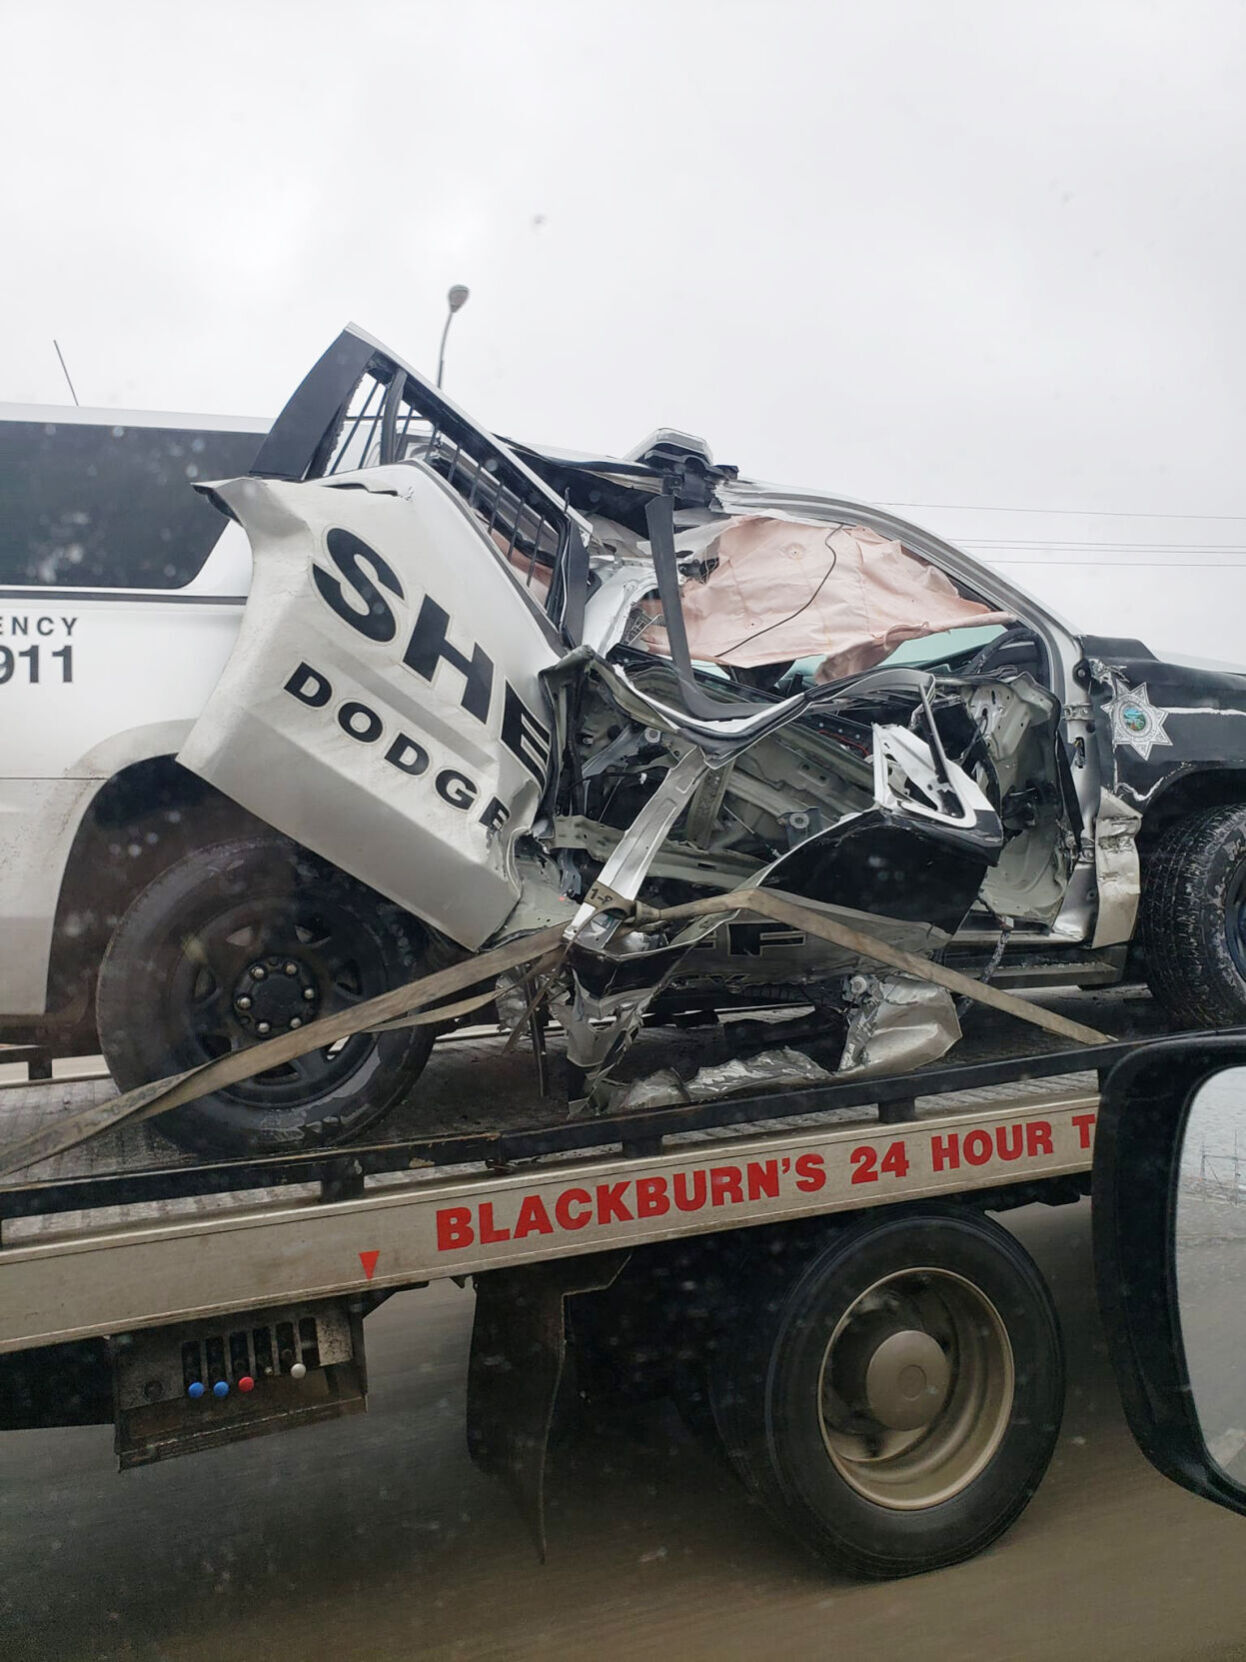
(221, 1388)
(196, 1390)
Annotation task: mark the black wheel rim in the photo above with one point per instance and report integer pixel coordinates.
(297, 956)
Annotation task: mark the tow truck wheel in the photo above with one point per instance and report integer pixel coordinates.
(896, 1406)
(1193, 919)
(243, 941)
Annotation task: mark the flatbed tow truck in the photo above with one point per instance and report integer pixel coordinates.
(812, 1274)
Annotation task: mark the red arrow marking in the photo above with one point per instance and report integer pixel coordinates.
(368, 1260)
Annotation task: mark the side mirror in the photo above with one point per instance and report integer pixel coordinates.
(1169, 1206)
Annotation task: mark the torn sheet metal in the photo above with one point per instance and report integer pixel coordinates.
(1019, 723)
(769, 1070)
(870, 949)
(897, 884)
(625, 870)
(896, 1023)
(381, 707)
(616, 972)
(918, 780)
(784, 589)
(1117, 870)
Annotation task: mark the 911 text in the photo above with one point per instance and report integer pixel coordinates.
(35, 663)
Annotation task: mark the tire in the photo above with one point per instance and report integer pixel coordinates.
(182, 964)
(938, 1295)
(1193, 919)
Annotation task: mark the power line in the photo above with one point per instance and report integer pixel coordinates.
(1094, 513)
(1135, 547)
(1132, 565)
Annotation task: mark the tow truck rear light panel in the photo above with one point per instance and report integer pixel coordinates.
(201, 1384)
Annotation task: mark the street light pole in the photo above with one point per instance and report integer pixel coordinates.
(456, 299)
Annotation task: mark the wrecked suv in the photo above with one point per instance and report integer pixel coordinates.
(433, 691)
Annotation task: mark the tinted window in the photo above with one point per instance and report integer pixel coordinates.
(111, 507)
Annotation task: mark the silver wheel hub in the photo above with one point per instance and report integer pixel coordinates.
(907, 1380)
(916, 1388)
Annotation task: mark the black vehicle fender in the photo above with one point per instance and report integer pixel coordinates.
(1194, 726)
(1189, 789)
(142, 819)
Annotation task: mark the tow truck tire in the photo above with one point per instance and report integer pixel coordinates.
(241, 941)
(1193, 919)
(896, 1405)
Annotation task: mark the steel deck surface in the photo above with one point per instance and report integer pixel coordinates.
(476, 1104)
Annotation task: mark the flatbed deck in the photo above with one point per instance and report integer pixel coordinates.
(199, 1256)
(479, 1103)
(156, 1237)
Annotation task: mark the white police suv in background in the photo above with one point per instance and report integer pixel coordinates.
(121, 591)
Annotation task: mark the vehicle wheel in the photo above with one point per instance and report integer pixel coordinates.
(896, 1406)
(1193, 919)
(242, 941)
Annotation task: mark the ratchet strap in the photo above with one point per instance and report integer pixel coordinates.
(408, 1006)
(67, 1131)
(771, 903)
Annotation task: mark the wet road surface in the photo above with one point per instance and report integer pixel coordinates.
(376, 1538)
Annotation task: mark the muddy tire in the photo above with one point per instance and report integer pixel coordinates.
(1193, 919)
(896, 1405)
(239, 942)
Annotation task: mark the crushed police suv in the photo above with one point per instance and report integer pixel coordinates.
(312, 714)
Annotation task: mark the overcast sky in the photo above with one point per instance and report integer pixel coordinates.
(965, 254)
